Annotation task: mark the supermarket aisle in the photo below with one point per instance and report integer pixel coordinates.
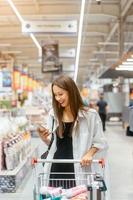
(121, 163)
(121, 167)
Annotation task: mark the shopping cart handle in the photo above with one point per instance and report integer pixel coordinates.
(35, 160)
(102, 162)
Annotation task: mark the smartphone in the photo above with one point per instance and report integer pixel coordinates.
(43, 126)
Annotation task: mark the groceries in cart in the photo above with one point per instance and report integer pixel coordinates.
(87, 186)
(53, 193)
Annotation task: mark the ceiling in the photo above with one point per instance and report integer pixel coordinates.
(107, 33)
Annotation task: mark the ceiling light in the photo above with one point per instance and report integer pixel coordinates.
(108, 43)
(5, 45)
(130, 59)
(79, 38)
(16, 11)
(5, 61)
(129, 66)
(106, 52)
(127, 63)
(124, 69)
(35, 41)
(14, 52)
(114, 43)
(22, 21)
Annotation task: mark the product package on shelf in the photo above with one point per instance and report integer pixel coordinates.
(16, 151)
(5, 127)
(2, 158)
(1, 155)
(10, 180)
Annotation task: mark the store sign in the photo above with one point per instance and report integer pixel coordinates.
(30, 83)
(24, 81)
(5, 81)
(50, 56)
(54, 26)
(16, 79)
(67, 53)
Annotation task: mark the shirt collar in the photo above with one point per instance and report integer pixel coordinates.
(81, 114)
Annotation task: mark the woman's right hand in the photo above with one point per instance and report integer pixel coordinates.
(44, 134)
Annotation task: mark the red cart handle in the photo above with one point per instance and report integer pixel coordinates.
(102, 162)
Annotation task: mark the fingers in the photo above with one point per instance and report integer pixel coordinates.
(44, 133)
(42, 129)
(86, 162)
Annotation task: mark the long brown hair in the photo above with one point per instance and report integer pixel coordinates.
(75, 100)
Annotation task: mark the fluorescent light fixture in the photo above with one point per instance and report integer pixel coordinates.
(108, 43)
(106, 52)
(35, 41)
(94, 33)
(81, 20)
(15, 52)
(5, 61)
(16, 11)
(130, 59)
(5, 45)
(127, 63)
(23, 46)
(128, 66)
(114, 43)
(124, 69)
(22, 21)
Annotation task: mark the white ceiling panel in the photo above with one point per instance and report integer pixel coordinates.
(101, 25)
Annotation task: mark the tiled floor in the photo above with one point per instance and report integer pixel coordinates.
(120, 162)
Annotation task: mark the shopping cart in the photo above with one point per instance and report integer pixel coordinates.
(93, 182)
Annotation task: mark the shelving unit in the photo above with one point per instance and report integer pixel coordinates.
(10, 180)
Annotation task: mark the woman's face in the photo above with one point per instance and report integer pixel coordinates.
(61, 96)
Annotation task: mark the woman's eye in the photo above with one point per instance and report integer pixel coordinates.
(57, 95)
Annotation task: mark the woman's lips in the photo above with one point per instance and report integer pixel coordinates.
(61, 103)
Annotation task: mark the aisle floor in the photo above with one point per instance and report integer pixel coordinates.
(120, 162)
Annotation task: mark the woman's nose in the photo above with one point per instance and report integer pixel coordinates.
(58, 98)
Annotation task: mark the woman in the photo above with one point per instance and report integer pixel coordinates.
(77, 131)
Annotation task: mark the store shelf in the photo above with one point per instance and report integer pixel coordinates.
(10, 180)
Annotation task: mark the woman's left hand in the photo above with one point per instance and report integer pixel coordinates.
(86, 160)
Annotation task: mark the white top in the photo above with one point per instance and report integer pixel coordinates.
(87, 132)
